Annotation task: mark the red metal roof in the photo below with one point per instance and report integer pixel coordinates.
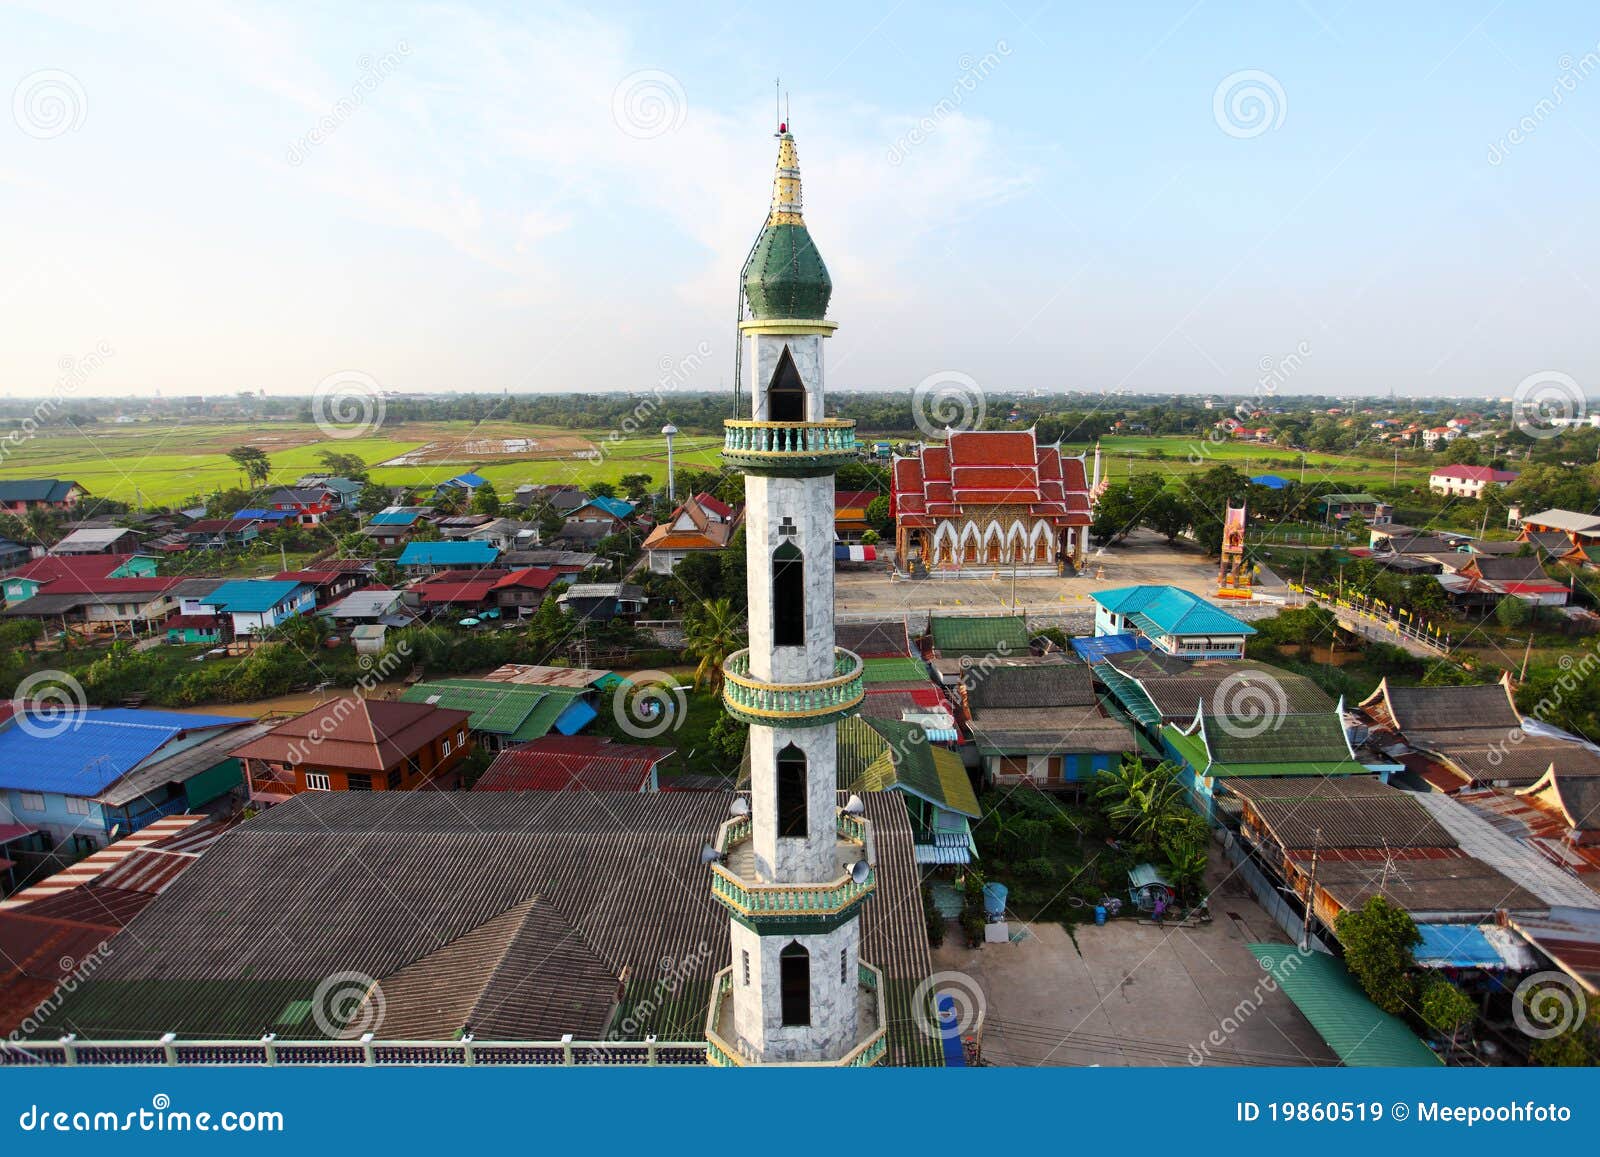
(572, 763)
(444, 594)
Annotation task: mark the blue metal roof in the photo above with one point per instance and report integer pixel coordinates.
(251, 596)
(84, 752)
(449, 553)
(1098, 647)
(393, 518)
(1455, 946)
(469, 479)
(1171, 611)
(615, 507)
(1270, 481)
(264, 515)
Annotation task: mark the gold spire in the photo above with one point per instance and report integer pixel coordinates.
(786, 183)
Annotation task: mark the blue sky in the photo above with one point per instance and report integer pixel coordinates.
(1039, 197)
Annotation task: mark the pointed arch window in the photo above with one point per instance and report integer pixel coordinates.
(788, 596)
(794, 968)
(792, 817)
(786, 393)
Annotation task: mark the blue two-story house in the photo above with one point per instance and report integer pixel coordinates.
(257, 605)
(1173, 620)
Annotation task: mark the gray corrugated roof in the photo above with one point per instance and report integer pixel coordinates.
(1482, 840)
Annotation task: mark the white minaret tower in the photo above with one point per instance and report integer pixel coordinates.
(791, 865)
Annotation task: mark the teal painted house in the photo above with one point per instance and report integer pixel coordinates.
(1175, 621)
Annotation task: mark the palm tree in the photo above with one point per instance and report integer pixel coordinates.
(252, 463)
(712, 632)
(1139, 799)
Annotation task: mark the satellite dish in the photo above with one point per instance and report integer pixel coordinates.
(739, 807)
(709, 855)
(853, 806)
(860, 871)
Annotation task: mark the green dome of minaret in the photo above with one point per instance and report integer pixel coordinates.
(785, 276)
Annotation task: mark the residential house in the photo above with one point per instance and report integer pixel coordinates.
(424, 558)
(1582, 529)
(589, 763)
(306, 506)
(1175, 621)
(562, 499)
(87, 775)
(598, 517)
(256, 605)
(96, 592)
(98, 540)
(1488, 578)
(1040, 721)
(13, 554)
(566, 562)
(328, 586)
(20, 495)
(1343, 507)
(196, 622)
(344, 493)
(957, 637)
(1468, 737)
(393, 526)
(521, 591)
(220, 533)
(602, 602)
(467, 483)
(1468, 481)
(1438, 436)
(887, 638)
(1231, 739)
(355, 744)
(1157, 690)
(504, 533)
(453, 593)
(700, 525)
(373, 605)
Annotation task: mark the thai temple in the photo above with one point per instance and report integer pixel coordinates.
(792, 865)
(983, 499)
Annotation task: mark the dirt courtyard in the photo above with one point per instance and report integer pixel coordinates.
(1145, 558)
(1135, 994)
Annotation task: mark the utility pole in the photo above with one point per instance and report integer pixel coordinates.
(1311, 892)
(1527, 653)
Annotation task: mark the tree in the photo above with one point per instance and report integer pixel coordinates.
(373, 498)
(711, 632)
(636, 486)
(486, 500)
(1167, 515)
(602, 490)
(1512, 612)
(252, 463)
(1378, 938)
(344, 465)
(1446, 1009)
(1138, 800)
(878, 516)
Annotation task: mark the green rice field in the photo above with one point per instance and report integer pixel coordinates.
(159, 464)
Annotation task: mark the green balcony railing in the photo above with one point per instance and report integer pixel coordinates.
(768, 900)
(782, 447)
(792, 704)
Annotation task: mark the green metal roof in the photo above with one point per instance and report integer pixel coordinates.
(1334, 498)
(1314, 738)
(893, 671)
(1192, 749)
(901, 756)
(957, 635)
(1130, 695)
(1361, 1033)
(517, 711)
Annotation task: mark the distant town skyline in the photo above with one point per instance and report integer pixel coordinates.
(1179, 199)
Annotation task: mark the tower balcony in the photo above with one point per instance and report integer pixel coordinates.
(871, 1042)
(792, 704)
(737, 884)
(797, 449)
